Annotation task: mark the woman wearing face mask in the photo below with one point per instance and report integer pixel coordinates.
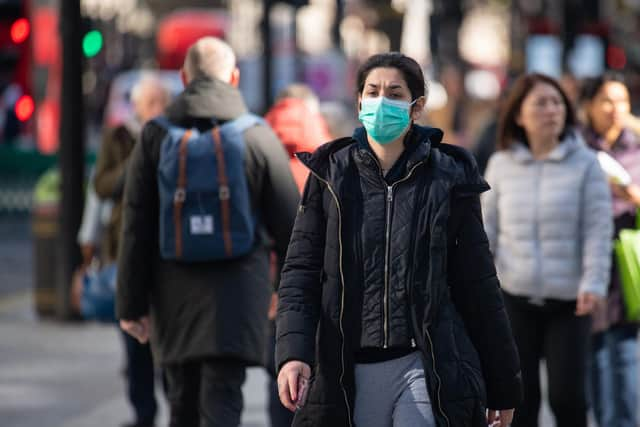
(614, 361)
(548, 219)
(390, 308)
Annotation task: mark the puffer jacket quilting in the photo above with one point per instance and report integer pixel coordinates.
(549, 222)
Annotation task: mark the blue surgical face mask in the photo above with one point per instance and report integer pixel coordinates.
(383, 118)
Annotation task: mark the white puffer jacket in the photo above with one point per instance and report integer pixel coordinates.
(549, 221)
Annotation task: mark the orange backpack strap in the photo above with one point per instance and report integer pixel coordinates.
(224, 192)
(181, 192)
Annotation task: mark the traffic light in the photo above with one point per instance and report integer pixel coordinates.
(92, 43)
(20, 30)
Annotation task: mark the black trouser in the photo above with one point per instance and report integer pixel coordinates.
(140, 378)
(205, 393)
(554, 333)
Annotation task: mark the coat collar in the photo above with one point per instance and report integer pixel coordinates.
(205, 98)
(626, 140)
(339, 150)
(568, 145)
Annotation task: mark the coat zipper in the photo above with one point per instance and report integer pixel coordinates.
(433, 362)
(342, 371)
(385, 298)
(538, 297)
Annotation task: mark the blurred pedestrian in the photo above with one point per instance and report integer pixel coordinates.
(295, 118)
(149, 98)
(372, 314)
(95, 218)
(614, 357)
(206, 318)
(547, 217)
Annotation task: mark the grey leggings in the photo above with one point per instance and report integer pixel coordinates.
(392, 394)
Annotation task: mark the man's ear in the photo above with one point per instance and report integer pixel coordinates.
(235, 77)
(418, 108)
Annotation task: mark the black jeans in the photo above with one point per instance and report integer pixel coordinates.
(205, 393)
(140, 379)
(554, 333)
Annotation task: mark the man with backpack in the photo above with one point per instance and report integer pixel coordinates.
(208, 195)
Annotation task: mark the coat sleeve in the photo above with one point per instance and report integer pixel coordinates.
(476, 294)
(110, 171)
(138, 243)
(301, 283)
(278, 196)
(490, 205)
(597, 232)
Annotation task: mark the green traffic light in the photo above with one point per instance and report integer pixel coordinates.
(92, 43)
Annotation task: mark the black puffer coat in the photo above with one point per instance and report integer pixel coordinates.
(438, 248)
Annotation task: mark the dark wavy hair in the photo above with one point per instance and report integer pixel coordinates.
(508, 130)
(409, 68)
(591, 87)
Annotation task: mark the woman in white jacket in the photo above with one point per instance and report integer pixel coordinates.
(548, 219)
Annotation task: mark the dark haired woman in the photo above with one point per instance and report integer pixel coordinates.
(548, 219)
(614, 373)
(389, 302)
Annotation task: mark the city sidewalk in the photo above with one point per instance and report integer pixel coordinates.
(55, 374)
(69, 374)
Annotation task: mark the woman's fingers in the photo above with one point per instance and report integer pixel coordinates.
(292, 379)
(284, 393)
(288, 382)
(506, 416)
(587, 303)
(502, 418)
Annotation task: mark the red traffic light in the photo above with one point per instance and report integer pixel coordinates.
(24, 108)
(20, 30)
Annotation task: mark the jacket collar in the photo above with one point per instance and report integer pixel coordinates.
(626, 140)
(207, 98)
(339, 150)
(568, 145)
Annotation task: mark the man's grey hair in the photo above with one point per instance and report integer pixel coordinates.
(210, 57)
(148, 81)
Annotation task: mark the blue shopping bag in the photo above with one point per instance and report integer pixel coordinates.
(99, 294)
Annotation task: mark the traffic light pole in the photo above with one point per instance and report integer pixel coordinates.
(71, 155)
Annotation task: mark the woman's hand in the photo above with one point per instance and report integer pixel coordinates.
(501, 418)
(587, 303)
(288, 382)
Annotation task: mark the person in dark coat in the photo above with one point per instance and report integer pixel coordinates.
(207, 321)
(390, 311)
(149, 98)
